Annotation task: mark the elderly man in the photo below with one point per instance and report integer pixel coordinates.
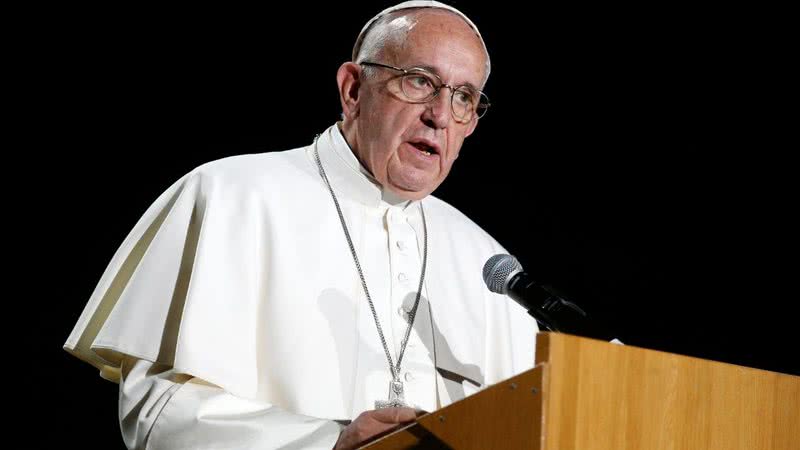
(320, 296)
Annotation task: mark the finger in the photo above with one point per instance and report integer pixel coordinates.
(394, 415)
(363, 429)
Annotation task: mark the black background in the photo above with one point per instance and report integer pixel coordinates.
(633, 157)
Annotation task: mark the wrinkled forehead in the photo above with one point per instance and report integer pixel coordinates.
(417, 4)
(441, 44)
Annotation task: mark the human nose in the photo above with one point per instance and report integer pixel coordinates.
(437, 112)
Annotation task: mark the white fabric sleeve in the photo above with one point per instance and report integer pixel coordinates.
(160, 409)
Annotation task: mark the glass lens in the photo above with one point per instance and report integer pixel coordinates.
(465, 101)
(418, 86)
(482, 106)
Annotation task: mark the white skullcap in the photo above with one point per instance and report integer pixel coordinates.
(420, 4)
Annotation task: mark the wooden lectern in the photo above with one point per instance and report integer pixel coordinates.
(585, 394)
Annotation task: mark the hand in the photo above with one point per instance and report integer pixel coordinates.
(371, 423)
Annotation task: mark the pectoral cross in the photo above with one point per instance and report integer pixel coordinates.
(396, 399)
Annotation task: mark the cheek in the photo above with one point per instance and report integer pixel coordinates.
(394, 126)
(455, 144)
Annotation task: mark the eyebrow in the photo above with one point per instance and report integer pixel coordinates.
(433, 70)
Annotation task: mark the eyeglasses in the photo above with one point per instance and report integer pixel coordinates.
(421, 86)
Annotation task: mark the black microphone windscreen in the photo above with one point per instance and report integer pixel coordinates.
(498, 270)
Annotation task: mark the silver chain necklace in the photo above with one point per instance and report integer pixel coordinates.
(396, 398)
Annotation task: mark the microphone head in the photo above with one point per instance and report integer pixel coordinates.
(498, 270)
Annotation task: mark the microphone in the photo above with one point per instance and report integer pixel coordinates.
(503, 274)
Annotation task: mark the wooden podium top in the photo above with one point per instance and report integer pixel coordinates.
(605, 396)
(586, 394)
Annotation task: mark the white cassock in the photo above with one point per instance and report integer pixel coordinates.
(233, 315)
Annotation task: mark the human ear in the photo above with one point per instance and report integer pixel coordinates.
(348, 78)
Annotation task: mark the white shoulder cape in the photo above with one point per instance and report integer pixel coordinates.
(239, 274)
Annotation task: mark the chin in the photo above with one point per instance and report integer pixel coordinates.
(418, 195)
(408, 195)
(412, 189)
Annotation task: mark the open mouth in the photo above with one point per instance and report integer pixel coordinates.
(426, 149)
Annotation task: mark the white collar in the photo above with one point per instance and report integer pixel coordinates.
(350, 178)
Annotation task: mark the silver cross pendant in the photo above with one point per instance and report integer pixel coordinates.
(396, 399)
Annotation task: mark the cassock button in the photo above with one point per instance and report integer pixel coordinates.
(409, 377)
(402, 277)
(402, 313)
(396, 215)
(401, 245)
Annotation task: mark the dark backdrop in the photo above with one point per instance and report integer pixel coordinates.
(630, 158)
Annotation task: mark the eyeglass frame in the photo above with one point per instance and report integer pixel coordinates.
(437, 89)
